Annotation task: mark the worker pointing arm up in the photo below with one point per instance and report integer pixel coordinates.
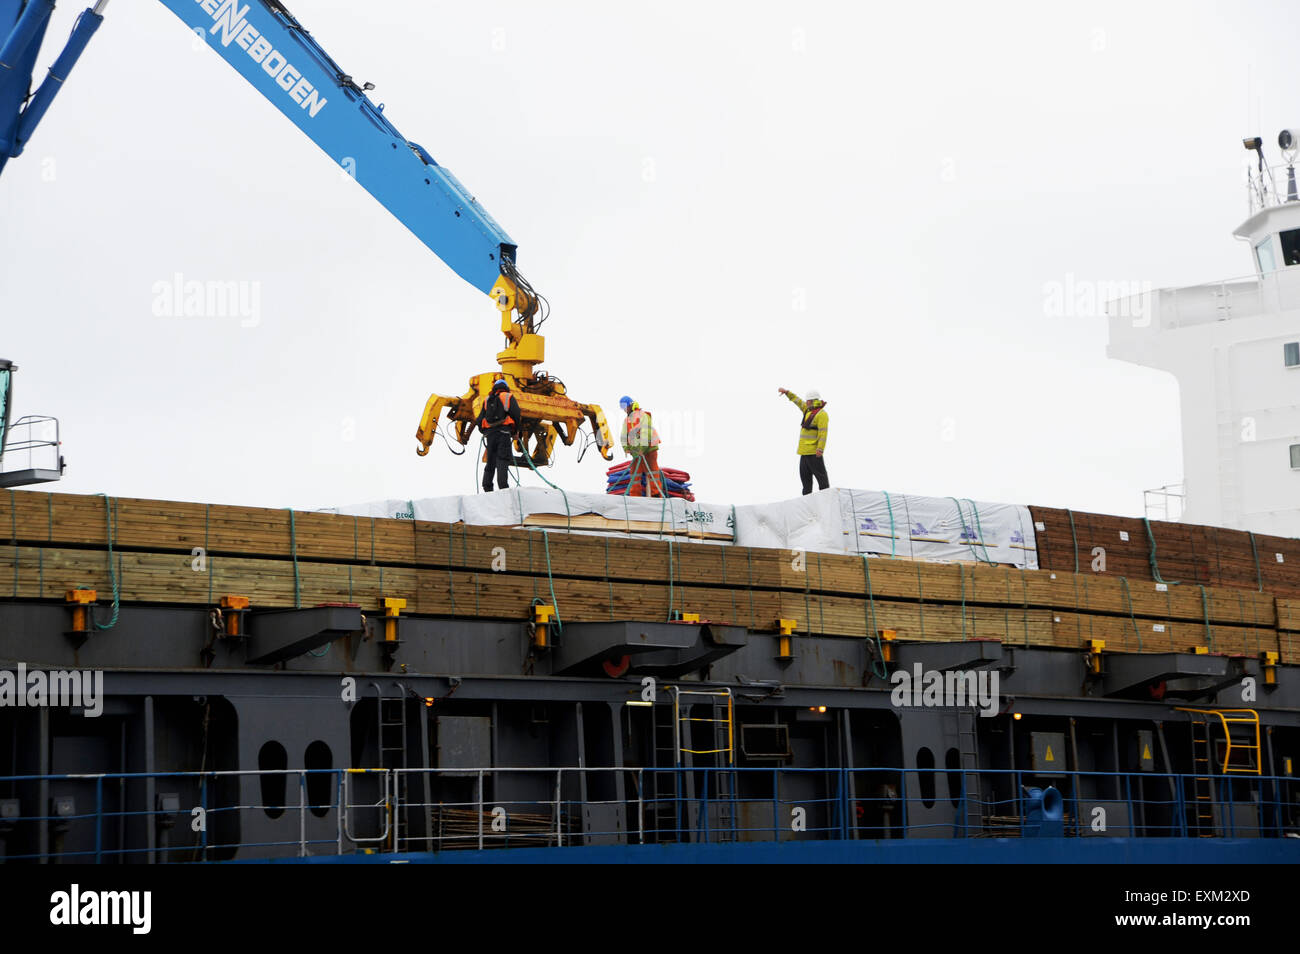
(812, 439)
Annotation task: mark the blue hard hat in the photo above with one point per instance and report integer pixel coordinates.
(500, 383)
(624, 401)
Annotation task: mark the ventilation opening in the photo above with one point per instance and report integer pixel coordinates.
(272, 760)
(318, 761)
(765, 742)
(925, 776)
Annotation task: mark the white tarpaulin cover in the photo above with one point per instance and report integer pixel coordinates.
(830, 521)
(514, 506)
(864, 521)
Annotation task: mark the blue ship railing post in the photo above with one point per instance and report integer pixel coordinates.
(1018, 799)
(338, 797)
(965, 808)
(1231, 821)
(843, 803)
(1128, 797)
(99, 819)
(203, 808)
(1074, 792)
(902, 797)
(704, 805)
(640, 806)
(1182, 810)
(302, 813)
(480, 809)
(559, 826)
(776, 805)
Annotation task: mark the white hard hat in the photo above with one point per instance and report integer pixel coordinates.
(813, 395)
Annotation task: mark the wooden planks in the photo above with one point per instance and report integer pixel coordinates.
(188, 553)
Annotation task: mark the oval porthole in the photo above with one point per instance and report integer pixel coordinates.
(272, 760)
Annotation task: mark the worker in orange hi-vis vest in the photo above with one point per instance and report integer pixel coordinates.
(641, 441)
(812, 439)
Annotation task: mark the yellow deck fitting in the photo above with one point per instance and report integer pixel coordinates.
(1201, 650)
(887, 639)
(1268, 664)
(393, 607)
(690, 617)
(79, 601)
(542, 616)
(232, 610)
(1095, 646)
(784, 642)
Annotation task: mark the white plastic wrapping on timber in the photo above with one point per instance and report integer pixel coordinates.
(922, 528)
(830, 521)
(514, 506)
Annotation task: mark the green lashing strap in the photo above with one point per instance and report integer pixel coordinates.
(961, 575)
(1205, 613)
(13, 537)
(1074, 539)
(559, 624)
(1155, 564)
(293, 549)
(1259, 577)
(979, 530)
(873, 630)
(1129, 596)
(207, 556)
(893, 533)
(110, 524)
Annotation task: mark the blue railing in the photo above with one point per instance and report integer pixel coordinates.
(209, 816)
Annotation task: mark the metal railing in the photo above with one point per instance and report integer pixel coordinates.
(32, 443)
(1164, 503)
(190, 816)
(1241, 297)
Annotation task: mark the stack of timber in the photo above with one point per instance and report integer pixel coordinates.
(1170, 552)
(159, 552)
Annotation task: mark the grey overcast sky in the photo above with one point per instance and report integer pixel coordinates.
(718, 198)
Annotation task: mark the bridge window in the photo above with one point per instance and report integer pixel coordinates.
(1295, 456)
(1264, 255)
(1291, 354)
(1290, 246)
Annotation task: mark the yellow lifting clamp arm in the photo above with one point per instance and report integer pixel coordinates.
(549, 414)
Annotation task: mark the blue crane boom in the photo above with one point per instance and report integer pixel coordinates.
(267, 45)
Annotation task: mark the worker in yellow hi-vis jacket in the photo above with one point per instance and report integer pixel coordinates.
(812, 439)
